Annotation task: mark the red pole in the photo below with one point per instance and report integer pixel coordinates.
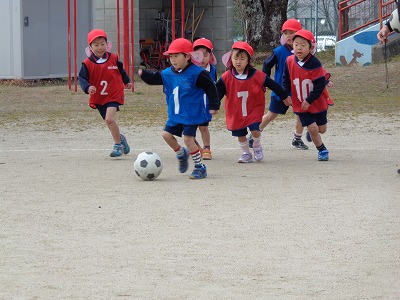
(75, 52)
(126, 32)
(133, 44)
(173, 19)
(69, 43)
(183, 18)
(118, 31)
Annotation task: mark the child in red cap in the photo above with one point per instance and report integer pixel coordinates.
(305, 77)
(208, 63)
(277, 59)
(104, 78)
(245, 87)
(184, 86)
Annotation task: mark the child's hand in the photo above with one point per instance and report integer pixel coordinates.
(213, 112)
(330, 84)
(305, 105)
(92, 90)
(288, 101)
(128, 85)
(140, 72)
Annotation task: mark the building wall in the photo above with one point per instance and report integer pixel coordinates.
(35, 37)
(11, 38)
(216, 23)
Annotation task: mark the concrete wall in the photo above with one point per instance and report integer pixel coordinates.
(357, 49)
(392, 48)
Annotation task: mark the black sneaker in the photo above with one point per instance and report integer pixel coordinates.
(251, 141)
(298, 144)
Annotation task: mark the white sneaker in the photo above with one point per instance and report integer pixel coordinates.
(246, 158)
(258, 153)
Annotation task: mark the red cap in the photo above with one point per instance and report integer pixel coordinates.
(179, 45)
(94, 34)
(203, 42)
(308, 35)
(243, 46)
(291, 24)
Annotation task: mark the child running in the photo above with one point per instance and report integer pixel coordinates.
(245, 87)
(104, 78)
(278, 59)
(209, 61)
(184, 86)
(305, 77)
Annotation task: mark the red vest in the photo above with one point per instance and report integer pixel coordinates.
(107, 79)
(302, 83)
(245, 99)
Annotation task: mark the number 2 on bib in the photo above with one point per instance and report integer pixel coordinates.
(104, 89)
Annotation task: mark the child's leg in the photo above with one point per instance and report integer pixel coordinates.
(205, 136)
(297, 142)
(244, 145)
(193, 149)
(171, 140)
(258, 150)
(112, 125)
(314, 133)
(200, 170)
(322, 128)
(298, 127)
(181, 153)
(267, 118)
(315, 130)
(256, 134)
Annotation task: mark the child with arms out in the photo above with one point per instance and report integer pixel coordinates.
(104, 78)
(184, 87)
(245, 87)
(305, 77)
(277, 59)
(208, 63)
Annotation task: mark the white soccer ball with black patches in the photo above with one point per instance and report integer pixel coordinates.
(395, 21)
(148, 165)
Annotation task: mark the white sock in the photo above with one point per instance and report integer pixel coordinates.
(245, 146)
(257, 142)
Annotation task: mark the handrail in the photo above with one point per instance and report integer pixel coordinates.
(351, 11)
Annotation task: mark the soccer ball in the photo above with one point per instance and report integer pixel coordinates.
(148, 165)
(394, 21)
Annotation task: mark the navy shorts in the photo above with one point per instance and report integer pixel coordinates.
(243, 131)
(178, 130)
(277, 106)
(103, 108)
(309, 118)
(205, 124)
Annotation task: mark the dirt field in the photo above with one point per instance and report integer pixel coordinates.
(77, 224)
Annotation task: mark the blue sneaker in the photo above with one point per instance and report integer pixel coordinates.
(199, 172)
(183, 160)
(308, 137)
(124, 143)
(118, 150)
(323, 155)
